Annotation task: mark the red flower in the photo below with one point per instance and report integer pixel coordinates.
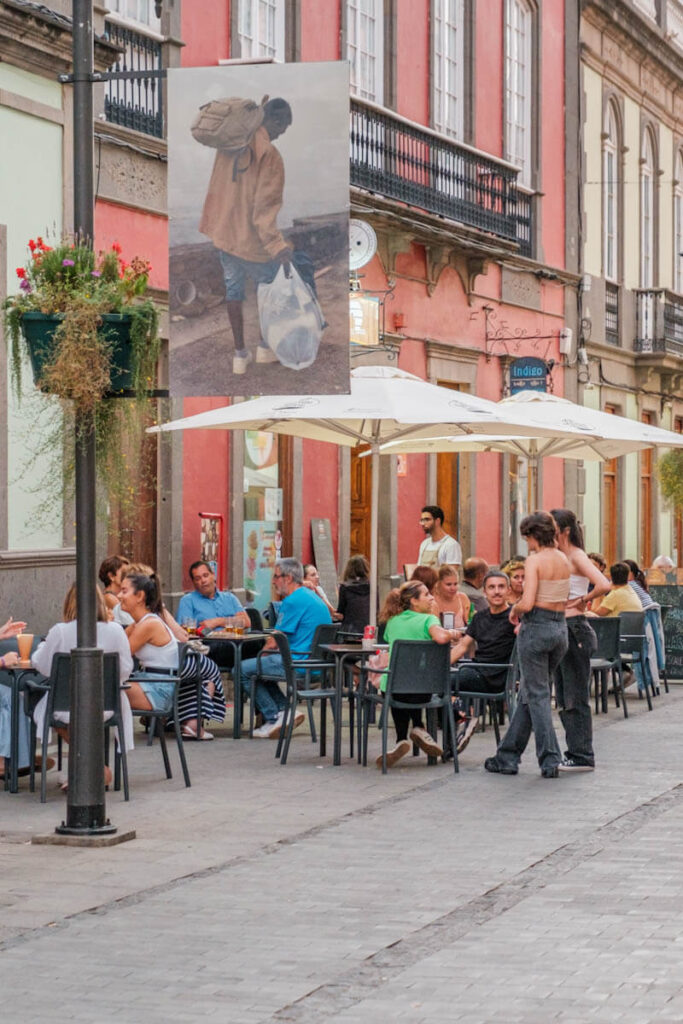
(21, 272)
(32, 245)
(116, 247)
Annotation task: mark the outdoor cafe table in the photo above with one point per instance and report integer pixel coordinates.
(16, 675)
(236, 641)
(343, 654)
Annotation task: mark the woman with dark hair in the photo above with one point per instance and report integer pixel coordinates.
(150, 639)
(637, 582)
(573, 674)
(415, 621)
(541, 645)
(353, 607)
(112, 571)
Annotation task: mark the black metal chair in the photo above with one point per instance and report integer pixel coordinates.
(156, 719)
(633, 651)
(421, 663)
(606, 662)
(255, 619)
(470, 682)
(59, 701)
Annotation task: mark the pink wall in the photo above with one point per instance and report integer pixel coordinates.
(553, 134)
(206, 481)
(412, 85)
(138, 233)
(206, 33)
(319, 491)
(488, 88)
(320, 36)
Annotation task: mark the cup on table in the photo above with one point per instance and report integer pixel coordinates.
(238, 627)
(24, 644)
(190, 626)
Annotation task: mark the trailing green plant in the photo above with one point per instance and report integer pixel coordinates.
(78, 286)
(670, 473)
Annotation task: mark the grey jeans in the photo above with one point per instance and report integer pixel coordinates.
(541, 645)
(572, 690)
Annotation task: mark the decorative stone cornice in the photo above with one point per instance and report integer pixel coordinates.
(39, 40)
(14, 560)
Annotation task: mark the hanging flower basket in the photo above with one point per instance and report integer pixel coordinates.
(39, 330)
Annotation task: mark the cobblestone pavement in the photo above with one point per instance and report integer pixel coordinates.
(312, 894)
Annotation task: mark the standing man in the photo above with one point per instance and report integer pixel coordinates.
(474, 571)
(301, 612)
(208, 605)
(240, 217)
(438, 547)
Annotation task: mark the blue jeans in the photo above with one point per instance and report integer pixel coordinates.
(572, 689)
(541, 645)
(268, 697)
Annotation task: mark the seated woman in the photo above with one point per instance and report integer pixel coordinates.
(312, 581)
(449, 599)
(111, 573)
(425, 574)
(415, 621)
(61, 639)
(213, 697)
(150, 639)
(353, 607)
(8, 660)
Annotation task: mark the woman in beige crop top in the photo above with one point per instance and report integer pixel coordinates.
(546, 580)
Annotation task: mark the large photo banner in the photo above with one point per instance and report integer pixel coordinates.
(258, 224)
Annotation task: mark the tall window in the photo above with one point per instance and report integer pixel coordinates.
(647, 210)
(262, 28)
(448, 57)
(611, 195)
(646, 502)
(678, 224)
(518, 85)
(364, 48)
(139, 11)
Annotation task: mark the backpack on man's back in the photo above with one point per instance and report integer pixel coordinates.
(228, 124)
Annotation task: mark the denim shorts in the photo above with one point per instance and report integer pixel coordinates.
(236, 271)
(160, 695)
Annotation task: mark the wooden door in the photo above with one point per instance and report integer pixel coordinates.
(361, 494)
(646, 506)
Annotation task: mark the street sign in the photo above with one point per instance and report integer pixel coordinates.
(528, 374)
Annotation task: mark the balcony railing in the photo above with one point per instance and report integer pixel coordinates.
(404, 161)
(135, 103)
(660, 322)
(611, 313)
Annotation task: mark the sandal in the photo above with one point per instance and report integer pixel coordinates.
(188, 733)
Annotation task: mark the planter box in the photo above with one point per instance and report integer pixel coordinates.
(39, 330)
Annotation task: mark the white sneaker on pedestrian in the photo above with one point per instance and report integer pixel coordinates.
(426, 742)
(240, 363)
(270, 730)
(265, 355)
(277, 726)
(400, 750)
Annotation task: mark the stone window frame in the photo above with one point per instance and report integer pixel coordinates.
(648, 133)
(464, 129)
(384, 76)
(283, 44)
(613, 105)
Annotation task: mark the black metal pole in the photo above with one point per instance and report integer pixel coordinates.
(85, 799)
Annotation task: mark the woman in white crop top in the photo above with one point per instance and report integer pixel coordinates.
(573, 675)
(150, 640)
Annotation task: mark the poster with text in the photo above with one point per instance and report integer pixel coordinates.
(258, 227)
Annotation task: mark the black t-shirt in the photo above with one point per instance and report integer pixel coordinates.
(494, 635)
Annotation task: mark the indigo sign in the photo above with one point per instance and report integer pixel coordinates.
(528, 374)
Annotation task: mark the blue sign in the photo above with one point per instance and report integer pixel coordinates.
(528, 374)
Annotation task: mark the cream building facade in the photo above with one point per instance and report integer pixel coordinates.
(631, 297)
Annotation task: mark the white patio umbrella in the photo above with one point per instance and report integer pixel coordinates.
(386, 404)
(598, 436)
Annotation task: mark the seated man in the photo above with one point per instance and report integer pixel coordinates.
(301, 611)
(489, 638)
(473, 572)
(208, 605)
(622, 597)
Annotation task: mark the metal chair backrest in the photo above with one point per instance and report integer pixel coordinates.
(282, 641)
(632, 623)
(608, 630)
(325, 633)
(255, 619)
(419, 666)
(60, 682)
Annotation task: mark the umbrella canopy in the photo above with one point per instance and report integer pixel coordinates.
(386, 404)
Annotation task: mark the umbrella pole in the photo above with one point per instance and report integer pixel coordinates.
(374, 531)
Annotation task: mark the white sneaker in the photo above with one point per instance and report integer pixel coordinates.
(270, 730)
(240, 363)
(275, 727)
(265, 355)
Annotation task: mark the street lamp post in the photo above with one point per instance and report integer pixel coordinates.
(85, 814)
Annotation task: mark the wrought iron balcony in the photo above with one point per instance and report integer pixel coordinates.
(660, 322)
(415, 165)
(135, 103)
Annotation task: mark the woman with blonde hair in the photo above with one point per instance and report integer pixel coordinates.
(514, 570)
(449, 599)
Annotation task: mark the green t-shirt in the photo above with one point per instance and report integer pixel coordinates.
(408, 625)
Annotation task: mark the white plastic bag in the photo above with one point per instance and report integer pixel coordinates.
(291, 319)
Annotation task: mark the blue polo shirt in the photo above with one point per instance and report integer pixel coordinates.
(195, 606)
(300, 613)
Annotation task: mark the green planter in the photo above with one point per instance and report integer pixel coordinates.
(39, 331)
